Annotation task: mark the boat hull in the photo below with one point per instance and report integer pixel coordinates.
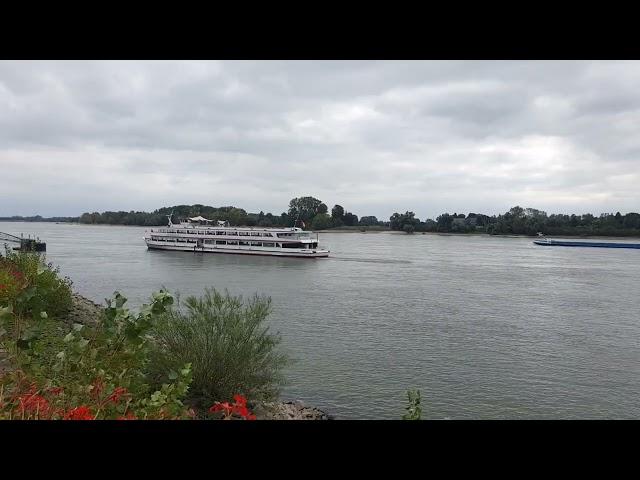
(558, 243)
(315, 253)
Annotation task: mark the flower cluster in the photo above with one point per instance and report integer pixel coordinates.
(79, 413)
(238, 408)
(27, 402)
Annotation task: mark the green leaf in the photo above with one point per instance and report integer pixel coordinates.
(6, 312)
(68, 337)
(43, 315)
(78, 326)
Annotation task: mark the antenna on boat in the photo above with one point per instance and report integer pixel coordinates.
(169, 217)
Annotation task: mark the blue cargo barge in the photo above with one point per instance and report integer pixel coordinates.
(562, 243)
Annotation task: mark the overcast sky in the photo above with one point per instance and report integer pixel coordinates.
(375, 137)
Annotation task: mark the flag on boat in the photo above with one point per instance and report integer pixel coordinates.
(303, 225)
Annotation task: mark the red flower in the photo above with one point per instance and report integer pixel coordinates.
(17, 275)
(221, 406)
(241, 410)
(33, 403)
(2, 286)
(238, 408)
(79, 413)
(117, 393)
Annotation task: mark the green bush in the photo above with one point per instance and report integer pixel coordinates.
(40, 287)
(227, 345)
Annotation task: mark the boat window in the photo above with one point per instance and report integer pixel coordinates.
(268, 244)
(291, 245)
(256, 244)
(208, 241)
(232, 242)
(255, 234)
(221, 242)
(243, 234)
(221, 233)
(267, 235)
(244, 243)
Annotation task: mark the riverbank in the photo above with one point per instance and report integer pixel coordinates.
(484, 234)
(87, 312)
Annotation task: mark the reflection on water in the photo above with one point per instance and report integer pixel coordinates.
(485, 327)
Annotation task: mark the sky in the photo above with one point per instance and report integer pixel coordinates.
(376, 137)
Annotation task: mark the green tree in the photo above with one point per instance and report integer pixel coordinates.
(322, 221)
(305, 208)
(398, 220)
(368, 221)
(445, 222)
(350, 219)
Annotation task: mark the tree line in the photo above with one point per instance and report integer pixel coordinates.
(311, 213)
(522, 221)
(38, 218)
(304, 212)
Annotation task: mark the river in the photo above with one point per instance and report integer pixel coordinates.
(485, 327)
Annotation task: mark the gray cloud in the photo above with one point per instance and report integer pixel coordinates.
(376, 137)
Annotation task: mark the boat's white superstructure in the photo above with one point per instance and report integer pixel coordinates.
(197, 235)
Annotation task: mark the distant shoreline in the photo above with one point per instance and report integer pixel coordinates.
(480, 234)
(366, 231)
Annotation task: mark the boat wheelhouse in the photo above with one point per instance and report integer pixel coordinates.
(197, 234)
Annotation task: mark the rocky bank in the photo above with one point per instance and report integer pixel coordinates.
(86, 311)
(295, 410)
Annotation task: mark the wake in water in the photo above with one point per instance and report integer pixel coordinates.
(368, 260)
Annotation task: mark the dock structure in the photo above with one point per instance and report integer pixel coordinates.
(25, 244)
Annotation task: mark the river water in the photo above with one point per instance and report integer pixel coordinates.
(485, 327)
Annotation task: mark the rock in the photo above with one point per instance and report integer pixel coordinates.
(84, 310)
(291, 410)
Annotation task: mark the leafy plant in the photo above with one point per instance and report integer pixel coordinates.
(91, 369)
(33, 286)
(414, 410)
(225, 340)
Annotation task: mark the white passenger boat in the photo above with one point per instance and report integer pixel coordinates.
(197, 234)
